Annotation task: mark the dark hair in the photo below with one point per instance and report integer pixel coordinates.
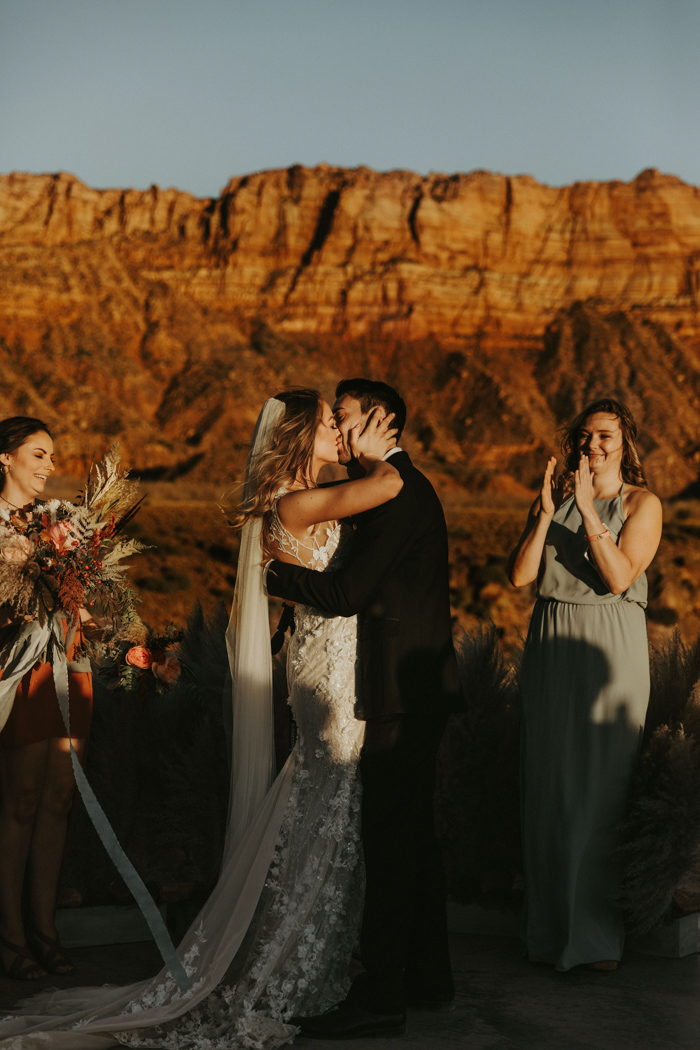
(16, 430)
(631, 467)
(370, 393)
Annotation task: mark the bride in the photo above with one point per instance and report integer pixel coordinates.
(275, 937)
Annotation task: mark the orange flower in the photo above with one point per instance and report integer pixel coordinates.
(139, 656)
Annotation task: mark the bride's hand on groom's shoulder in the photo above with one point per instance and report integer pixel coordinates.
(375, 438)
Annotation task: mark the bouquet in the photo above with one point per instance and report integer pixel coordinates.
(151, 667)
(59, 557)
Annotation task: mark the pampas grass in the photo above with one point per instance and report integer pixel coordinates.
(109, 487)
(477, 797)
(675, 669)
(661, 831)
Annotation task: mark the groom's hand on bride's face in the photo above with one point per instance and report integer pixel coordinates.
(347, 411)
(374, 436)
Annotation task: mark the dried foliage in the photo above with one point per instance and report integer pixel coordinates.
(159, 767)
(675, 669)
(60, 557)
(477, 799)
(661, 830)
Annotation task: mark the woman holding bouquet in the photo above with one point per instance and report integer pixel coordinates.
(36, 777)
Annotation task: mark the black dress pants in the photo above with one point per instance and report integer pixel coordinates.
(404, 930)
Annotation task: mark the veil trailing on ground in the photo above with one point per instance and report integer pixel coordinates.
(84, 1018)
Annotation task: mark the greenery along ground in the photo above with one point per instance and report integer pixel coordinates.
(193, 558)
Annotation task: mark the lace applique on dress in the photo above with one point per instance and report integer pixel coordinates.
(294, 959)
(321, 553)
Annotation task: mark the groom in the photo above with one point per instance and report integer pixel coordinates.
(395, 577)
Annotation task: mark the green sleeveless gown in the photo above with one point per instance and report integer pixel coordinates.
(585, 685)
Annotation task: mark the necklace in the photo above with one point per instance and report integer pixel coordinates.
(8, 503)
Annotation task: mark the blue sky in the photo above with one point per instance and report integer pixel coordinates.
(187, 94)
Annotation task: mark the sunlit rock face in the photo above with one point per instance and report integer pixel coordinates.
(498, 305)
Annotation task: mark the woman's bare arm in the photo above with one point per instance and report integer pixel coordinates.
(301, 509)
(525, 560)
(620, 564)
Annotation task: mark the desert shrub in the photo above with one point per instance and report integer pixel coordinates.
(477, 797)
(184, 763)
(159, 766)
(675, 668)
(661, 830)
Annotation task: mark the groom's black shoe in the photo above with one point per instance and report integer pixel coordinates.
(350, 1021)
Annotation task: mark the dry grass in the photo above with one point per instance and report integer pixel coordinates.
(477, 798)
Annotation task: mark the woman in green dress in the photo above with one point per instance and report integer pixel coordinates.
(588, 540)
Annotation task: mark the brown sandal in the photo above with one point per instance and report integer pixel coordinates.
(16, 971)
(51, 954)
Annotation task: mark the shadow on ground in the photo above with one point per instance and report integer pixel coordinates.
(504, 1003)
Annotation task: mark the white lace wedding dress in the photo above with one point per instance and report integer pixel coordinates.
(296, 942)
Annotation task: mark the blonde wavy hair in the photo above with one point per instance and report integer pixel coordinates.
(631, 467)
(287, 460)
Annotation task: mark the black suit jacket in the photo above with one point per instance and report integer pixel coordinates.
(395, 577)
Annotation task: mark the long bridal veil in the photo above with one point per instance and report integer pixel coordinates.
(248, 644)
(83, 1018)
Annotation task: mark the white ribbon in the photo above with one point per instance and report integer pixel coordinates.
(29, 647)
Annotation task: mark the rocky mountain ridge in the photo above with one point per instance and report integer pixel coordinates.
(497, 304)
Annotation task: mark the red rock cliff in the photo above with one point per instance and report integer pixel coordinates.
(498, 304)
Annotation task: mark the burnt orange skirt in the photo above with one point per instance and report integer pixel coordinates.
(35, 713)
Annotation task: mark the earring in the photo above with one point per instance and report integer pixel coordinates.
(6, 468)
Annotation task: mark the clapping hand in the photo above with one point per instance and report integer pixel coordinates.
(549, 487)
(374, 438)
(583, 487)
